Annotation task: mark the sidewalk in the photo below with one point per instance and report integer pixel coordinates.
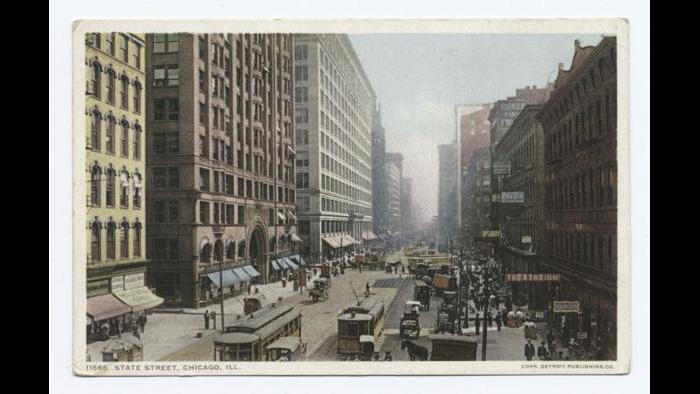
(170, 330)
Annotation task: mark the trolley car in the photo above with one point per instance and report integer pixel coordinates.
(248, 337)
(366, 318)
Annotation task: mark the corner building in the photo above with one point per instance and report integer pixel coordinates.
(220, 163)
(580, 235)
(117, 289)
(334, 101)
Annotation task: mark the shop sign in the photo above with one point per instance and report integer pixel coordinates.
(117, 283)
(526, 239)
(566, 306)
(532, 277)
(501, 168)
(133, 281)
(97, 287)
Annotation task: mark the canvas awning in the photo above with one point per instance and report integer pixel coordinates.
(251, 271)
(297, 259)
(331, 242)
(291, 264)
(241, 274)
(295, 238)
(283, 263)
(275, 266)
(139, 299)
(229, 278)
(105, 306)
(369, 236)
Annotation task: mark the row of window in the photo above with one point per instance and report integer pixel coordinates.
(127, 182)
(593, 121)
(108, 231)
(126, 46)
(95, 87)
(110, 138)
(594, 188)
(331, 205)
(595, 250)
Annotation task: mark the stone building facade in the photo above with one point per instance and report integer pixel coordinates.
(220, 162)
(334, 102)
(115, 178)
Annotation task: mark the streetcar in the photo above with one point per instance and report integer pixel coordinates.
(365, 318)
(248, 337)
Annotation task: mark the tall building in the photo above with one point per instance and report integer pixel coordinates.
(478, 199)
(580, 235)
(447, 192)
(379, 221)
(505, 111)
(221, 162)
(407, 209)
(522, 221)
(116, 187)
(334, 99)
(393, 197)
(394, 176)
(473, 132)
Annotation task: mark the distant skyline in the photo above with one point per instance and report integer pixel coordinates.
(420, 78)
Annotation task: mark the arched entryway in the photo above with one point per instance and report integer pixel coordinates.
(257, 252)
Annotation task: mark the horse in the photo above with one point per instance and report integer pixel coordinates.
(415, 351)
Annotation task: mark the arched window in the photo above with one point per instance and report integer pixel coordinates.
(109, 186)
(137, 238)
(137, 189)
(96, 241)
(111, 251)
(124, 91)
(95, 174)
(230, 249)
(111, 121)
(111, 78)
(137, 141)
(137, 96)
(218, 250)
(124, 239)
(95, 79)
(124, 188)
(205, 251)
(95, 126)
(241, 249)
(125, 138)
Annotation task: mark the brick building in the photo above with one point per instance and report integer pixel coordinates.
(220, 152)
(522, 222)
(580, 131)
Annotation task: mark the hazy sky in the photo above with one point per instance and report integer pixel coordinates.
(419, 78)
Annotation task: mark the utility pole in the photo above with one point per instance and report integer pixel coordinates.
(459, 294)
(221, 290)
(486, 310)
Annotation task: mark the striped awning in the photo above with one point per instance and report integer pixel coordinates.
(229, 278)
(275, 265)
(331, 242)
(251, 271)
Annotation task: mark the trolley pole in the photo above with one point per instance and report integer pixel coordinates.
(485, 328)
(221, 291)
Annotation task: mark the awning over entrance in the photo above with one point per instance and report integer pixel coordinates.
(369, 236)
(350, 240)
(275, 265)
(291, 264)
(297, 259)
(105, 306)
(282, 261)
(139, 298)
(331, 242)
(229, 278)
(295, 238)
(241, 274)
(251, 271)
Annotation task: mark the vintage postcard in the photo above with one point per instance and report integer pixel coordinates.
(351, 197)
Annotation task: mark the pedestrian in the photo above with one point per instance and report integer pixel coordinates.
(142, 322)
(550, 337)
(542, 352)
(206, 319)
(529, 350)
(553, 347)
(499, 321)
(477, 323)
(403, 270)
(213, 318)
(489, 317)
(135, 331)
(367, 289)
(248, 289)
